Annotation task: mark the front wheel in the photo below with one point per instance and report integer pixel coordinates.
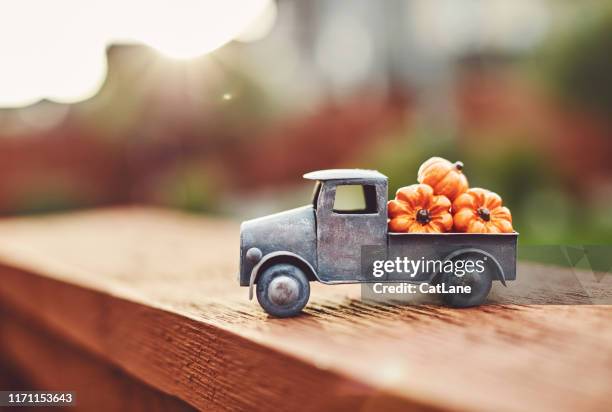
(283, 290)
(479, 281)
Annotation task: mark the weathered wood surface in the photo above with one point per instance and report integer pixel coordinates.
(155, 294)
(39, 359)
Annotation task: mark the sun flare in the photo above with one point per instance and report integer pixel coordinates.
(58, 53)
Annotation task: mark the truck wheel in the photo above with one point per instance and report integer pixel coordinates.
(283, 290)
(479, 282)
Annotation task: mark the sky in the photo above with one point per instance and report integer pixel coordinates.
(56, 50)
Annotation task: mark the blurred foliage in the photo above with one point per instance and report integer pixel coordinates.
(46, 201)
(578, 62)
(193, 136)
(55, 193)
(189, 187)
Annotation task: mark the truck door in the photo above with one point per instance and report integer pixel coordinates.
(350, 215)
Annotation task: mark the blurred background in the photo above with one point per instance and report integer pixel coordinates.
(220, 107)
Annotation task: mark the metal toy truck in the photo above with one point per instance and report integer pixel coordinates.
(281, 253)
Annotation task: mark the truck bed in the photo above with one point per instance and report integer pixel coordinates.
(437, 246)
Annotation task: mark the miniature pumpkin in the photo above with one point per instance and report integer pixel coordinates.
(445, 177)
(481, 211)
(416, 209)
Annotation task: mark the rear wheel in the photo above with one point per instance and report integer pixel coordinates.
(283, 290)
(479, 281)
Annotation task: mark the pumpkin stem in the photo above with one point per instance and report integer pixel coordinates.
(423, 217)
(459, 165)
(484, 213)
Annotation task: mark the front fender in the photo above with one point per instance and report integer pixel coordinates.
(277, 257)
(291, 231)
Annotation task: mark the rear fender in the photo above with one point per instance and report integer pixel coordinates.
(499, 273)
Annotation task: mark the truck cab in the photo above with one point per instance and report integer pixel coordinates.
(321, 240)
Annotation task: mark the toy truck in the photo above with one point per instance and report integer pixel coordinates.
(281, 253)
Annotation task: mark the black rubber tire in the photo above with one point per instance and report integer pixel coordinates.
(480, 283)
(295, 306)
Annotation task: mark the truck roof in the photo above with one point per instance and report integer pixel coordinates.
(345, 174)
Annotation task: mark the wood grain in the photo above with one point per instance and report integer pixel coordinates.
(44, 360)
(155, 293)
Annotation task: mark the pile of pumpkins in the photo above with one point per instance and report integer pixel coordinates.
(443, 202)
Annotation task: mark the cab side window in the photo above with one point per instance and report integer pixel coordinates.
(355, 199)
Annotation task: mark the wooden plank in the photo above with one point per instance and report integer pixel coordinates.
(43, 360)
(155, 293)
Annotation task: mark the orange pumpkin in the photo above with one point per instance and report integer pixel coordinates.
(481, 211)
(445, 177)
(417, 209)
